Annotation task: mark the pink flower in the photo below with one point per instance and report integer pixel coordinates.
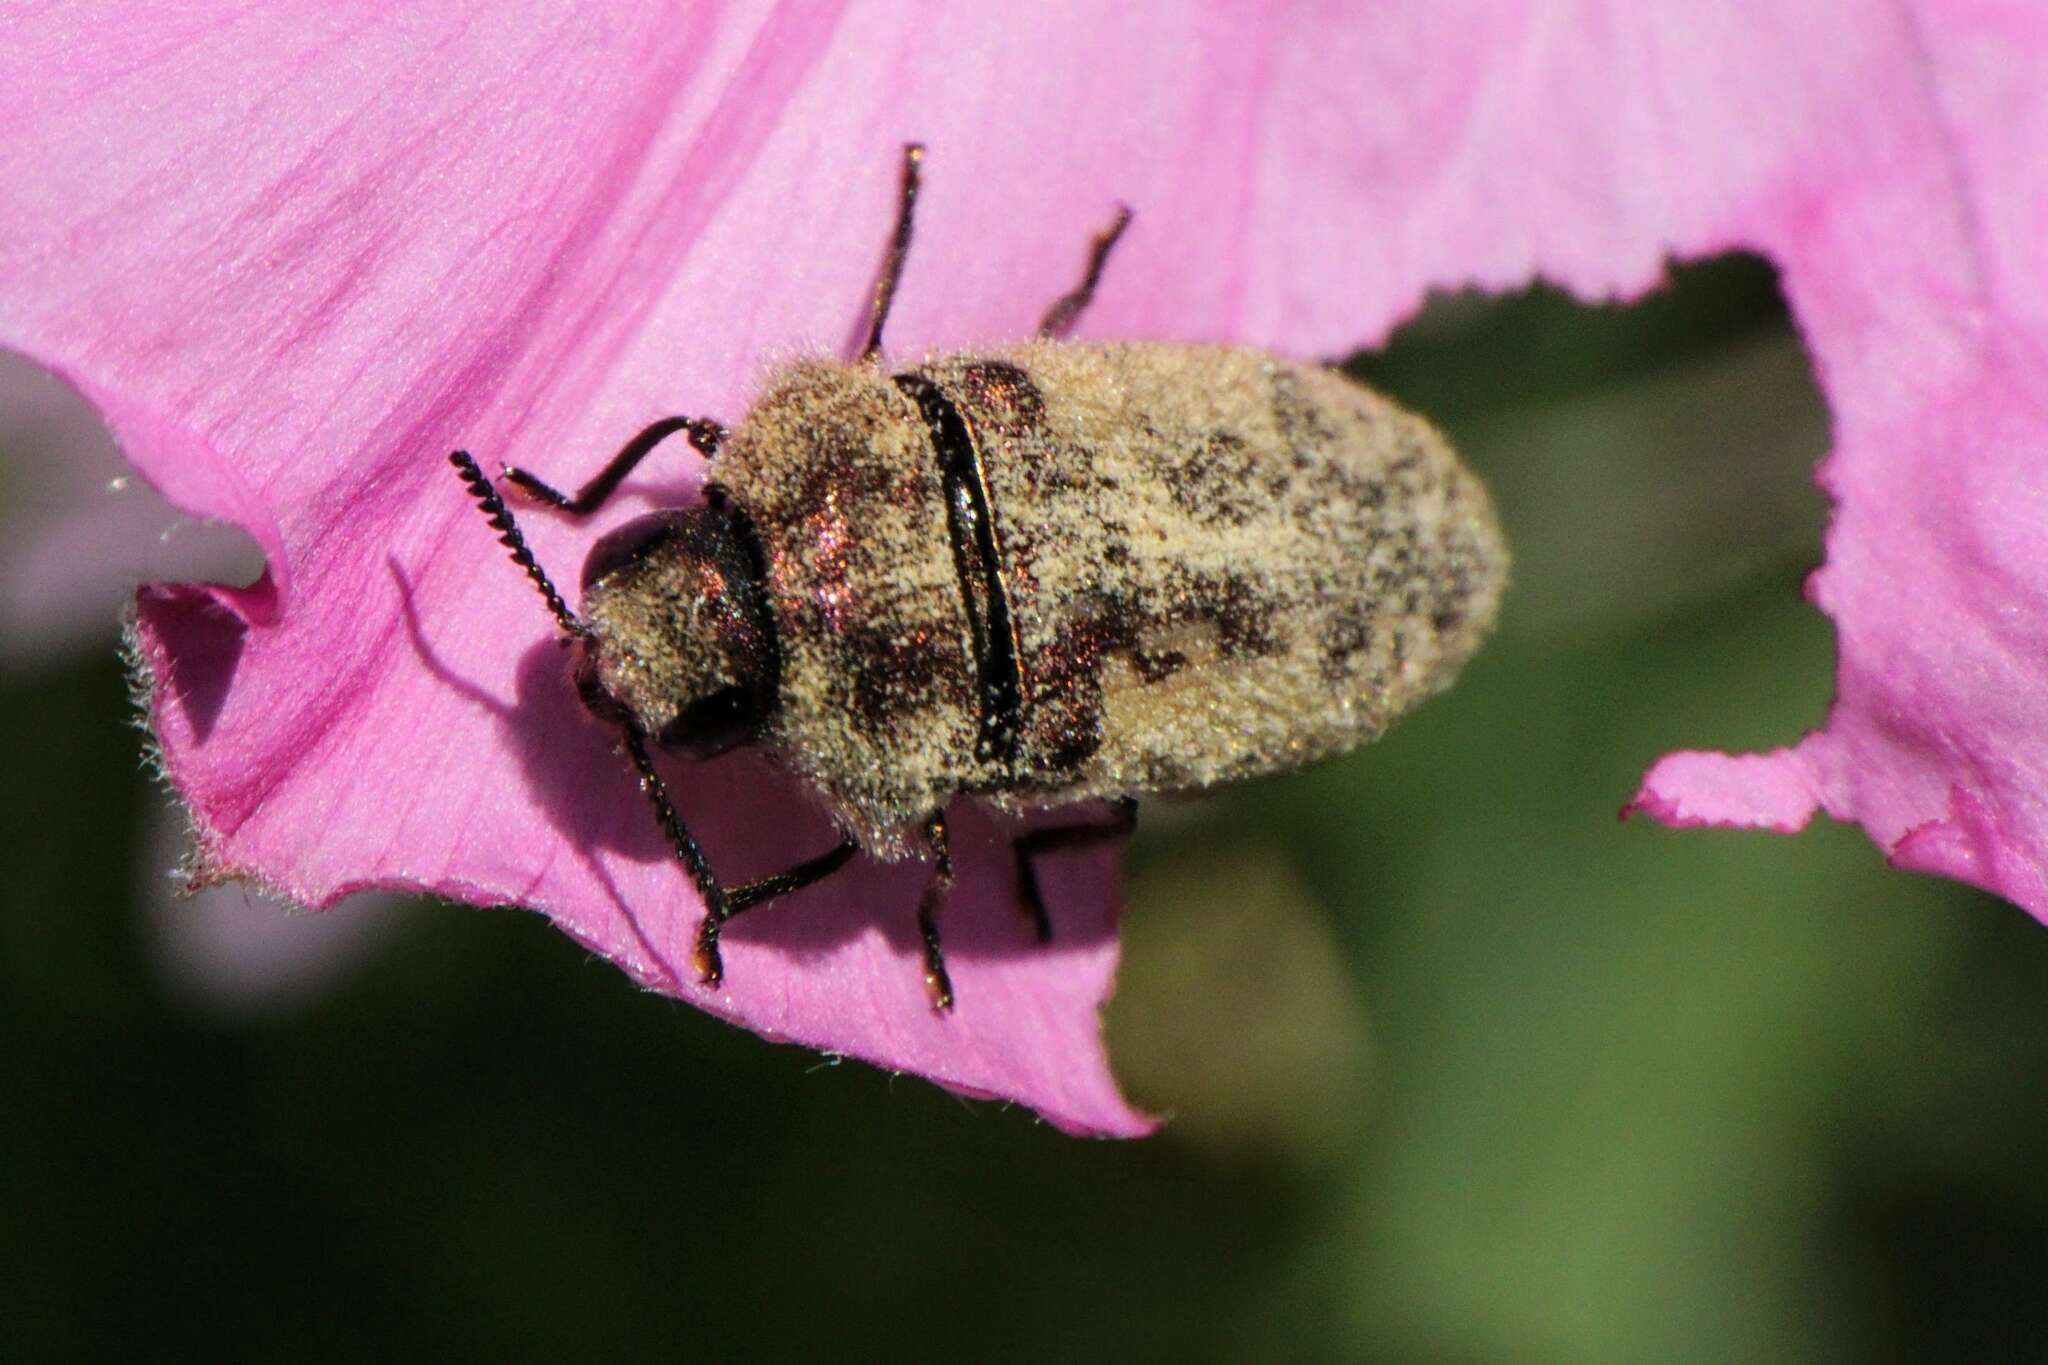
(295, 254)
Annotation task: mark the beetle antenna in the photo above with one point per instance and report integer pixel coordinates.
(500, 517)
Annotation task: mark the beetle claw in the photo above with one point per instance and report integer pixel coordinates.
(705, 957)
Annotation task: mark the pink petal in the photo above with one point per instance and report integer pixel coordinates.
(294, 254)
(73, 516)
(1758, 791)
(1920, 285)
(231, 950)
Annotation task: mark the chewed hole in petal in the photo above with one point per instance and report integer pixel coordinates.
(1643, 455)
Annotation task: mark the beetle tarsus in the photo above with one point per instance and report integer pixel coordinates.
(704, 956)
(938, 986)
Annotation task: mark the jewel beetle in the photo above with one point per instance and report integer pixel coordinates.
(1040, 574)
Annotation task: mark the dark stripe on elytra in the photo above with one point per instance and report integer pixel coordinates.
(978, 562)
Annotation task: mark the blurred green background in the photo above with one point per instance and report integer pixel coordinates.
(1464, 1069)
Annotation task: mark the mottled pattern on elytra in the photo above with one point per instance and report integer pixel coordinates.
(1220, 564)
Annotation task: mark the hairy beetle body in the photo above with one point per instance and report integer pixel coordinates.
(1213, 563)
(1038, 574)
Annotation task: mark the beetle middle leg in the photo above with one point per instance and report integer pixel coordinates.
(938, 986)
(705, 434)
(1067, 309)
(1034, 842)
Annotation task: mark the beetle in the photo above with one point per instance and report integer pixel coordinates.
(1039, 574)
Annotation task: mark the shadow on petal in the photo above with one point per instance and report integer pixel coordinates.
(755, 820)
(201, 642)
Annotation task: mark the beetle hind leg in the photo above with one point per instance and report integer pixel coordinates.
(1067, 309)
(899, 251)
(1034, 842)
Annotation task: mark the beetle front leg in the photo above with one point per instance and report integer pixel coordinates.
(705, 956)
(705, 434)
(1067, 309)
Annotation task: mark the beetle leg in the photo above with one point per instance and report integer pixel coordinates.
(705, 435)
(720, 903)
(1066, 310)
(816, 869)
(899, 248)
(705, 956)
(938, 986)
(688, 852)
(1034, 842)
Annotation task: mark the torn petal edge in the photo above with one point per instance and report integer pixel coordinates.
(1693, 788)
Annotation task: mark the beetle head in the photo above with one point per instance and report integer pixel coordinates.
(679, 641)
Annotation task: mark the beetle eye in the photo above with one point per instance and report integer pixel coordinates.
(712, 724)
(628, 545)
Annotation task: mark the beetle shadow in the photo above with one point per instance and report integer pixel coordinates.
(507, 716)
(756, 820)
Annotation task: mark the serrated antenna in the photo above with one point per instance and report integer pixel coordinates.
(500, 517)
